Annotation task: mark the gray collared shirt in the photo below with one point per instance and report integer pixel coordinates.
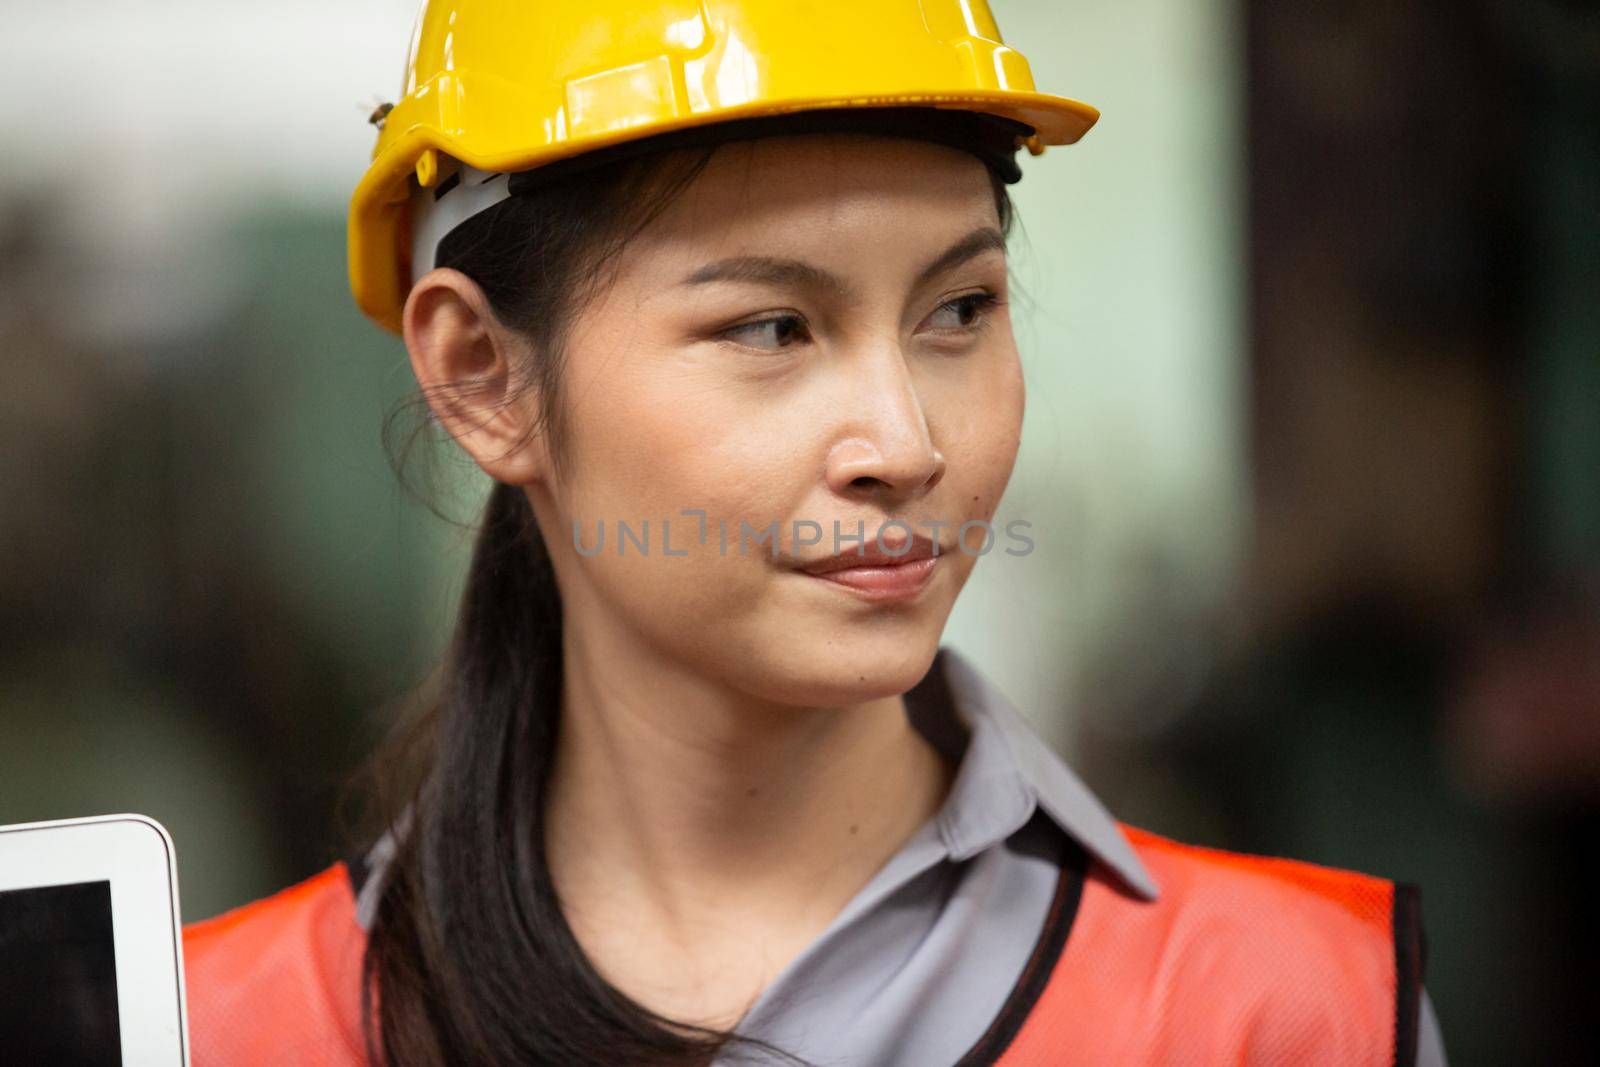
(920, 962)
(918, 965)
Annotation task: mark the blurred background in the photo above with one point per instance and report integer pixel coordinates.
(1312, 452)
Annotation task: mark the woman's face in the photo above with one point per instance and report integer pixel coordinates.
(814, 333)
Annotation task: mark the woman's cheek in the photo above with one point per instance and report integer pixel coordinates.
(982, 443)
(691, 497)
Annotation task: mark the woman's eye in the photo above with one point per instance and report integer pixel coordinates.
(772, 334)
(964, 312)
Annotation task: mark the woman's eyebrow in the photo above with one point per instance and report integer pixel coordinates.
(981, 240)
(795, 273)
(765, 270)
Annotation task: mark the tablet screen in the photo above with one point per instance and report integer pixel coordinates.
(58, 979)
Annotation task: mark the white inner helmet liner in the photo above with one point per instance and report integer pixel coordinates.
(453, 200)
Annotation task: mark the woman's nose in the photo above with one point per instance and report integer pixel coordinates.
(887, 446)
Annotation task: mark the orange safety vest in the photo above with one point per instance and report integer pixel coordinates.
(1242, 960)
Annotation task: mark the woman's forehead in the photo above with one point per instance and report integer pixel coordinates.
(818, 191)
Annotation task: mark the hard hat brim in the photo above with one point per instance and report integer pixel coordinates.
(376, 237)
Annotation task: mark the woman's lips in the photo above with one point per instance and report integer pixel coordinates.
(882, 580)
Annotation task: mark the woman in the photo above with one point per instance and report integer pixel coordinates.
(716, 295)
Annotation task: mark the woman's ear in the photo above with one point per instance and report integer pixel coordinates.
(466, 363)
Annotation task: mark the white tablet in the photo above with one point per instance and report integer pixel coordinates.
(91, 955)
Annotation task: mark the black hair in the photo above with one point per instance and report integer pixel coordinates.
(469, 958)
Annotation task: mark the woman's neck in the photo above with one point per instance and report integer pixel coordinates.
(675, 803)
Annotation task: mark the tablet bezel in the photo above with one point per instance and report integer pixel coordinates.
(135, 854)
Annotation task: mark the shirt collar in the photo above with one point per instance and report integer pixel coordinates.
(1006, 770)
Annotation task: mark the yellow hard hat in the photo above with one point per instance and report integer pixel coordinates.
(509, 85)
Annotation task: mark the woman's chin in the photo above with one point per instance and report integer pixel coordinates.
(835, 668)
